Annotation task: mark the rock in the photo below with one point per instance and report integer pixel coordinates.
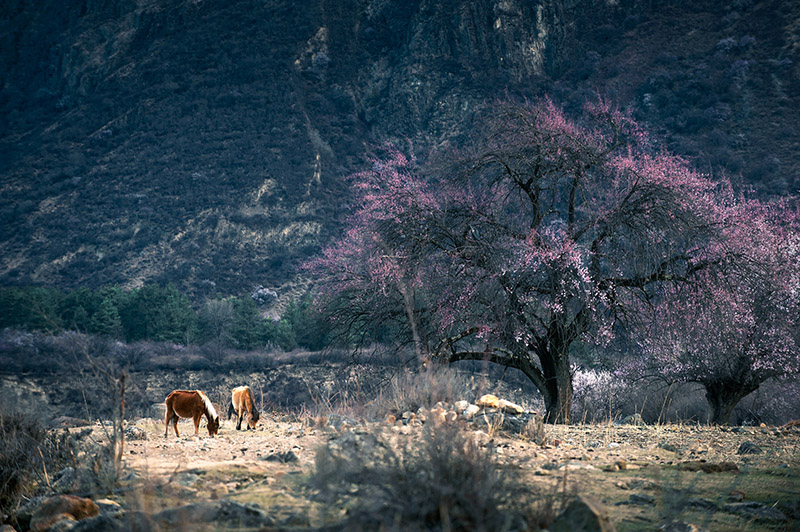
(126, 522)
(7, 528)
(470, 412)
(135, 433)
(61, 507)
(107, 506)
(509, 407)
(754, 510)
(351, 454)
(232, 514)
(584, 514)
(576, 466)
(62, 525)
(296, 520)
(341, 423)
(699, 502)
(284, 458)
(488, 401)
(64, 422)
(668, 447)
(638, 499)
(748, 447)
(460, 406)
(633, 419)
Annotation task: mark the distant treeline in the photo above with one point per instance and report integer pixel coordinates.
(161, 314)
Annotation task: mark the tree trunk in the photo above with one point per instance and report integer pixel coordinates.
(557, 392)
(723, 397)
(558, 398)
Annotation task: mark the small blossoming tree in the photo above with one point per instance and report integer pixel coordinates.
(545, 232)
(735, 326)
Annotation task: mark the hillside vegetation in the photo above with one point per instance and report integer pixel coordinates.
(207, 143)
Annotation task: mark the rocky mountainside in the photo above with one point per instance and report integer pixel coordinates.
(206, 143)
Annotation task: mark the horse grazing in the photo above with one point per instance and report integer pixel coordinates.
(242, 402)
(190, 404)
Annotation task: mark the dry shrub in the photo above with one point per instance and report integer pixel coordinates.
(447, 481)
(29, 455)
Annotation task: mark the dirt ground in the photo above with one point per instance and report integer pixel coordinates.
(645, 476)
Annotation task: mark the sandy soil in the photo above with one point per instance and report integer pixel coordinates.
(642, 474)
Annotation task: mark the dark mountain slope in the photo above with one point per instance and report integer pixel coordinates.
(205, 142)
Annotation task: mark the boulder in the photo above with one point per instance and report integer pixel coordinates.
(460, 406)
(748, 447)
(470, 412)
(135, 433)
(584, 514)
(509, 407)
(284, 457)
(488, 401)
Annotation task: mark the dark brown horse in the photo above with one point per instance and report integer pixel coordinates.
(190, 404)
(243, 403)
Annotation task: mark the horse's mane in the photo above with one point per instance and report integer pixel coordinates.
(209, 405)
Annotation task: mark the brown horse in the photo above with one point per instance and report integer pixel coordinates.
(242, 402)
(190, 404)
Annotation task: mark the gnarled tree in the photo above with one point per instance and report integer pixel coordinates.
(539, 235)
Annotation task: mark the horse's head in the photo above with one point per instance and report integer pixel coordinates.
(213, 426)
(253, 419)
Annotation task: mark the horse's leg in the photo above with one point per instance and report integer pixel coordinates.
(197, 423)
(239, 417)
(175, 419)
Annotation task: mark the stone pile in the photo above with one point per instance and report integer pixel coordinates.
(489, 414)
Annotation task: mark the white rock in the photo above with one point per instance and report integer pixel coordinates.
(470, 412)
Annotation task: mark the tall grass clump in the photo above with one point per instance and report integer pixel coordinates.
(446, 481)
(29, 456)
(410, 391)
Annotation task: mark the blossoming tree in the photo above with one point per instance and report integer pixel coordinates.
(737, 326)
(543, 233)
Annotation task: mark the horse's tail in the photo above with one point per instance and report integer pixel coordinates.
(231, 410)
